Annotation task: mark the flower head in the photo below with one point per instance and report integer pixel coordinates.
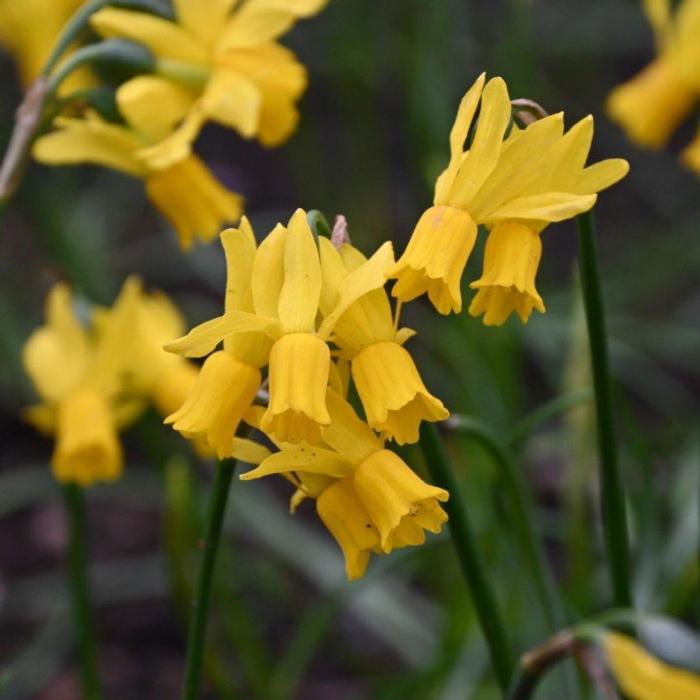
(652, 104)
(217, 61)
(186, 192)
(641, 676)
(368, 498)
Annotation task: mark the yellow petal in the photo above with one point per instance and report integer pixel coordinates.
(268, 272)
(551, 206)
(347, 434)
(392, 392)
(90, 140)
(56, 355)
(644, 677)
(239, 249)
(458, 136)
(136, 99)
(234, 101)
(87, 447)
(305, 458)
(249, 451)
(203, 19)
(346, 519)
(362, 280)
(486, 148)
(261, 21)
(165, 39)
(658, 13)
(298, 376)
(601, 175)
(301, 291)
(202, 339)
(173, 387)
(196, 204)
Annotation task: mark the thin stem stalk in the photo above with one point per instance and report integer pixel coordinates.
(483, 597)
(612, 493)
(203, 587)
(80, 591)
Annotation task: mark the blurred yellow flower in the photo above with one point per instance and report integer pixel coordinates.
(367, 497)
(185, 192)
(29, 29)
(282, 305)
(650, 106)
(641, 676)
(532, 176)
(392, 392)
(220, 61)
(79, 374)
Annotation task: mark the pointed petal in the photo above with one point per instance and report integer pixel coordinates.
(268, 272)
(304, 458)
(249, 451)
(239, 248)
(551, 206)
(601, 175)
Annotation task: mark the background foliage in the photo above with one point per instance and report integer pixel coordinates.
(385, 81)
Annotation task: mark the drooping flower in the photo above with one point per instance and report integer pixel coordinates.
(29, 29)
(185, 192)
(642, 676)
(532, 177)
(79, 374)
(369, 498)
(392, 392)
(285, 288)
(651, 105)
(219, 61)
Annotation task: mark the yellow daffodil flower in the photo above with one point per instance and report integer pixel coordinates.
(285, 285)
(651, 105)
(532, 177)
(641, 676)
(186, 192)
(230, 378)
(79, 376)
(367, 497)
(392, 392)
(29, 29)
(219, 61)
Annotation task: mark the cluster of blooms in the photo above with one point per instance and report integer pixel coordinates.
(95, 378)
(314, 316)
(642, 676)
(651, 106)
(217, 61)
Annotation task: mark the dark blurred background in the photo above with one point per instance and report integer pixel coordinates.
(385, 81)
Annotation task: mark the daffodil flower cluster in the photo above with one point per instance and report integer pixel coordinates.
(651, 105)
(316, 317)
(96, 369)
(218, 61)
(513, 181)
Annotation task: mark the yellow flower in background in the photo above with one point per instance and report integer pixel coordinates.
(219, 61)
(641, 676)
(78, 373)
(532, 176)
(230, 378)
(29, 29)
(691, 154)
(650, 106)
(186, 192)
(368, 498)
(392, 392)
(285, 286)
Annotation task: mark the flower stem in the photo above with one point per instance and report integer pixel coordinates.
(612, 494)
(483, 598)
(202, 593)
(80, 592)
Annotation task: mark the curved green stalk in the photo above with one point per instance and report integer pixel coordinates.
(612, 493)
(80, 591)
(202, 594)
(483, 597)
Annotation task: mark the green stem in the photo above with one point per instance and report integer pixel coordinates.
(612, 494)
(483, 598)
(80, 592)
(521, 505)
(551, 409)
(202, 593)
